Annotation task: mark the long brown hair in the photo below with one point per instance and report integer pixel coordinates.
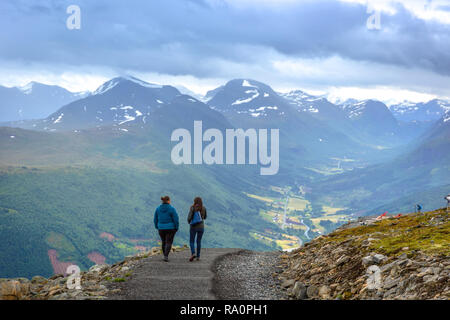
(198, 204)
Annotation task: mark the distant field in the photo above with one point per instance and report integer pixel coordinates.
(298, 209)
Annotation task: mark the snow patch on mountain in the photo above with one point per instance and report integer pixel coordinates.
(106, 86)
(354, 110)
(444, 105)
(246, 83)
(303, 101)
(297, 96)
(28, 88)
(247, 100)
(312, 109)
(447, 116)
(264, 108)
(127, 119)
(58, 120)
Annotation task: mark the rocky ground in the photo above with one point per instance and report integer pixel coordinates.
(178, 279)
(94, 283)
(248, 275)
(395, 258)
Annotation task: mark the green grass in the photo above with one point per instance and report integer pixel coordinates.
(417, 233)
(408, 234)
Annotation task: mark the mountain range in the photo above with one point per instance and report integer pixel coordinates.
(33, 101)
(84, 178)
(425, 111)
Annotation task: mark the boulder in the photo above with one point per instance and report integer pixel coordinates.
(288, 283)
(14, 289)
(378, 258)
(299, 291)
(390, 283)
(324, 292)
(39, 280)
(98, 268)
(367, 261)
(375, 259)
(312, 291)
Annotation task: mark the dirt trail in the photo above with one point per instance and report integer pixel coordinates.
(178, 279)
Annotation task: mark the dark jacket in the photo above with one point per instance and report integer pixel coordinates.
(166, 217)
(203, 214)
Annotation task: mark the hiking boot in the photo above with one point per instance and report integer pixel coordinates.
(166, 259)
(192, 258)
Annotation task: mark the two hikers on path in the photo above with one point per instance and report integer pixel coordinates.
(167, 223)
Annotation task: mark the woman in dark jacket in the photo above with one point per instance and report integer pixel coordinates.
(166, 221)
(196, 217)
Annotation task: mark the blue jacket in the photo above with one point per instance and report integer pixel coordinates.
(166, 217)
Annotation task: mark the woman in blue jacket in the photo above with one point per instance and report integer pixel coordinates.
(166, 221)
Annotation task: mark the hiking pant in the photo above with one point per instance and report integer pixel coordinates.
(193, 233)
(167, 240)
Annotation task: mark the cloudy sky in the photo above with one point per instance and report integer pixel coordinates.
(321, 46)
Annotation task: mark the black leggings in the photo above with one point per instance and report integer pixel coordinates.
(167, 240)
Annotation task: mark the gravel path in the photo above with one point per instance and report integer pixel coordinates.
(154, 279)
(247, 275)
(221, 274)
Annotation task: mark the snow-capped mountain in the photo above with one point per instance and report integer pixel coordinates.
(118, 102)
(319, 107)
(33, 101)
(303, 101)
(429, 111)
(251, 104)
(370, 112)
(368, 122)
(245, 98)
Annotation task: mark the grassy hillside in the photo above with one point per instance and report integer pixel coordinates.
(67, 209)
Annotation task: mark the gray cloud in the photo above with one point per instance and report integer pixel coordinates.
(196, 37)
